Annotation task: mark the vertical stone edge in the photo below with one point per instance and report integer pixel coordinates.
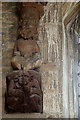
(0, 60)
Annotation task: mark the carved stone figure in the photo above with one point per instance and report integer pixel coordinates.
(30, 14)
(24, 92)
(26, 53)
(26, 49)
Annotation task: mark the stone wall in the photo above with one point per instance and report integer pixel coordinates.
(50, 43)
(56, 48)
(0, 60)
(9, 35)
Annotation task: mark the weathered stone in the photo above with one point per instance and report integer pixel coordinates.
(26, 47)
(24, 92)
(31, 62)
(9, 17)
(8, 45)
(25, 5)
(53, 102)
(9, 7)
(7, 53)
(6, 61)
(29, 23)
(29, 18)
(28, 28)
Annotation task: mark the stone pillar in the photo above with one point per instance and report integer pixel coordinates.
(50, 42)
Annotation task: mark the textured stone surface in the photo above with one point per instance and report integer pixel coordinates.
(47, 32)
(52, 85)
(73, 59)
(26, 54)
(26, 47)
(9, 34)
(71, 54)
(50, 42)
(29, 18)
(0, 61)
(24, 92)
(32, 62)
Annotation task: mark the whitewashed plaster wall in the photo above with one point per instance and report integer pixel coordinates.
(50, 42)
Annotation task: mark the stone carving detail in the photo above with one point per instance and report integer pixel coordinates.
(24, 92)
(26, 53)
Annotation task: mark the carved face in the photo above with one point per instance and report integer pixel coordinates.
(29, 22)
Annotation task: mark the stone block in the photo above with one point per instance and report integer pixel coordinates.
(24, 92)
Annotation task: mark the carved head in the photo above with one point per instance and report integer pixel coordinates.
(29, 18)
